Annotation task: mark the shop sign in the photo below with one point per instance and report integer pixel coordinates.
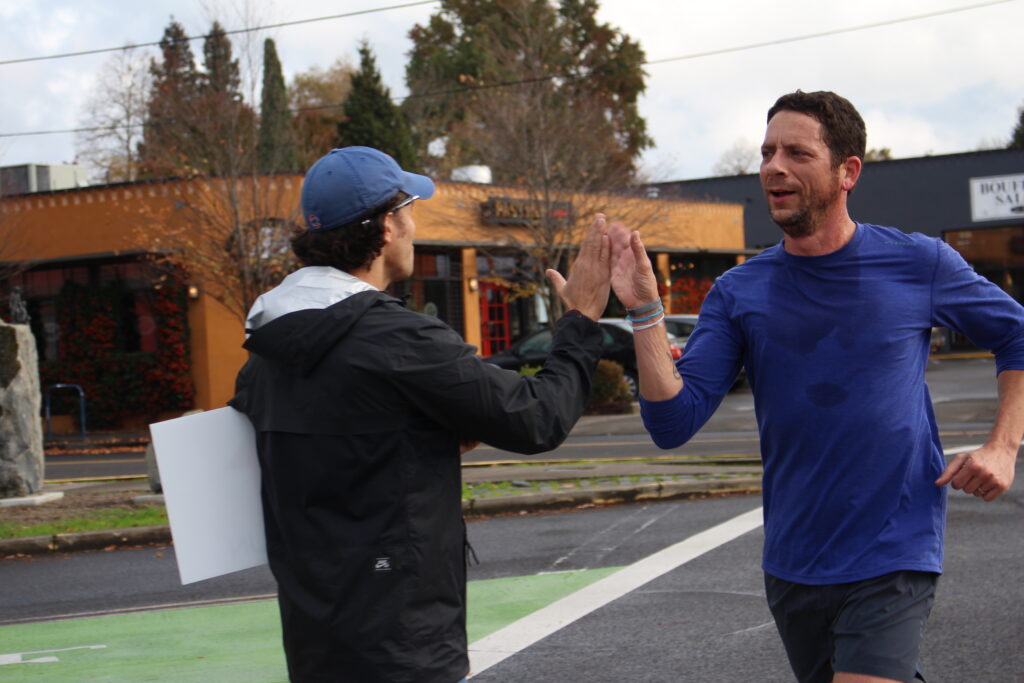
(515, 211)
(997, 198)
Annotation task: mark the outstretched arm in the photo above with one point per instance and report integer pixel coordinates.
(637, 288)
(988, 472)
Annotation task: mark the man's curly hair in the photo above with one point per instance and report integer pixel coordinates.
(346, 247)
(842, 127)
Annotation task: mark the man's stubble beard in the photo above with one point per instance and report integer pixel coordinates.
(805, 221)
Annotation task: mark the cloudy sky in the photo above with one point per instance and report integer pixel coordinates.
(929, 85)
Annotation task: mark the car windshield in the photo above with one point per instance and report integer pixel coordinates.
(538, 343)
(680, 328)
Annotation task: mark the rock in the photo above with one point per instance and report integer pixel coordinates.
(152, 471)
(21, 430)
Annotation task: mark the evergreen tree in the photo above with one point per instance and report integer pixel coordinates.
(234, 223)
(276, 148)
(1017, 139)
(171, 107)
(225, 126)
(222, 75)
(371, 118)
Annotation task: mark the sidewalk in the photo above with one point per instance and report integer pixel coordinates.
(501, 487)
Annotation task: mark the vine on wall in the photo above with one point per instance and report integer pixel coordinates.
(688, 293)
(120, 384)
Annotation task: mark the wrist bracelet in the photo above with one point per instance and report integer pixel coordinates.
(645, 308)
(648, 325)
(658, 312)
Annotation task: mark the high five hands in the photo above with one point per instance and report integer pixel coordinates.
(609, 256)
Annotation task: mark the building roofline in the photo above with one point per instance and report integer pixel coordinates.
(901, 160)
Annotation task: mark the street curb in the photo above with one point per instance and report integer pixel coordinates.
(607, 496)
(473, 507)
(85, 540)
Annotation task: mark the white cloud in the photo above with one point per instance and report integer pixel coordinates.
(940, 84)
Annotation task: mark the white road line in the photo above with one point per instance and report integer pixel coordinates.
(492, 649)
(142, 609)
(589, 542)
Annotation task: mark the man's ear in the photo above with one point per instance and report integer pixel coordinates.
(388, 225)
(851, 172)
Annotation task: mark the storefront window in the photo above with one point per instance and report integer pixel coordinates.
(994, 253)
(41, 290)
(435, 287)
(691, 277)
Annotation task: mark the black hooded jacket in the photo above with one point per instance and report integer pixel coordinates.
(359, 409)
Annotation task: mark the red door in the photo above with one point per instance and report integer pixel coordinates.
(494, 332)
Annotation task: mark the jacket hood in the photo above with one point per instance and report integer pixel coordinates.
(299, 340)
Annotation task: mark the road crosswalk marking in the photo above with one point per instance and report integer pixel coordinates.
(502, 644)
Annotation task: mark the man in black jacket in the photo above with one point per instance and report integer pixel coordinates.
(362, 408)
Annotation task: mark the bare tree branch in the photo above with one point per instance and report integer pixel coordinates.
(114, 113)
(743, 157)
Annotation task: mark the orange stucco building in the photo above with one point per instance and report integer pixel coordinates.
(468, 267)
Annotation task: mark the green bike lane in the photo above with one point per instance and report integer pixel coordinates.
(226, 642)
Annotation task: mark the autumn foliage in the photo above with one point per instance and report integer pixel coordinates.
(120, 383)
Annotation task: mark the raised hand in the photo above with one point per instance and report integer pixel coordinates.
(632, 276)
(588, 286)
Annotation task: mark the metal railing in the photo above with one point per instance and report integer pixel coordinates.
(81, 405)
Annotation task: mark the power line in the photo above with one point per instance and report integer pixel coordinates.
(822, 34)
(22, 60)
(469, 89)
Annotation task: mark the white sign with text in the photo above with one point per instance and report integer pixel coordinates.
(997, 198)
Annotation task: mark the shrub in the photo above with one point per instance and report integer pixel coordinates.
(608, 385)
(529, 370)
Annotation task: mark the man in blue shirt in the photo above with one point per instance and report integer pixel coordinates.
(832, 326)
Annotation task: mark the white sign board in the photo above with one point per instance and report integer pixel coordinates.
(211, 481)
(997, 198)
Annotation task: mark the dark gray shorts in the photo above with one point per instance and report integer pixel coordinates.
(872, 627)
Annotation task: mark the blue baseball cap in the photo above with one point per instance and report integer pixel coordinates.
(350, 182)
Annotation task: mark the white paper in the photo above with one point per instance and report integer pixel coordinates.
(211, 481)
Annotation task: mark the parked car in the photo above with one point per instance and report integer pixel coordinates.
(533, 349)
(673, 340)
(681, 325)
(939, 340)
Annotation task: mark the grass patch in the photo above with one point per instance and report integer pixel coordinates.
(100, 520)
(80, 512)
(485, 489)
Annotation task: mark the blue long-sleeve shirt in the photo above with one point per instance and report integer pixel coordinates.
(835, 349)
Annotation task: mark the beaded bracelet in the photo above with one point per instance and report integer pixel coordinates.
(649, 325)
(658, 312)
(645, 308)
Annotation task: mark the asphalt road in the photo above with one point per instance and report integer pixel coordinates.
(706, 620)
